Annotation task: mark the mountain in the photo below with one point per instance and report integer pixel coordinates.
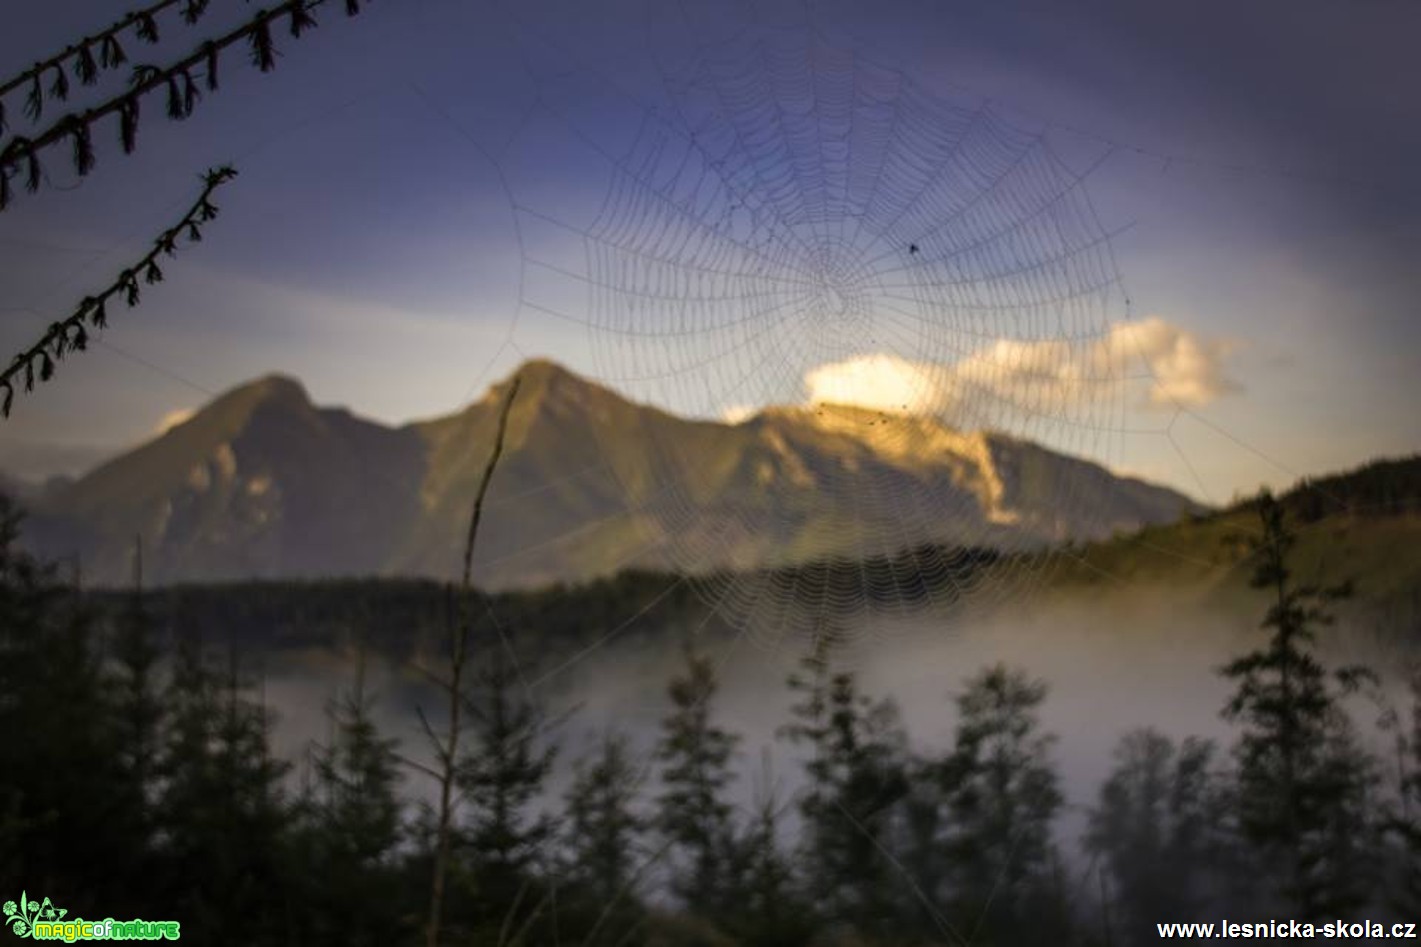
(263, 483)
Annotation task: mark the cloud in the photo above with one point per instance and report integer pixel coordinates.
(737, 413)
(1187, 370)
(881, 381)
(1155, 363)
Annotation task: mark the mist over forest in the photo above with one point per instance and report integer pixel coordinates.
(1114, 662)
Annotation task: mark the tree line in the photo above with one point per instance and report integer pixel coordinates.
(137, 779)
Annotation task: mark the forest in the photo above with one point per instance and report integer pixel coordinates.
(140, 782)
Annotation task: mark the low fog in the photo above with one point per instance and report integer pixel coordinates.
(1114, 661)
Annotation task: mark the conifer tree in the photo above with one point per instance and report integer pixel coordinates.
(693, 814)
(139, 716)
(355, 825)
(1002, 798)
(918, 840)
(772, 909)
(223, 819)
(1154, 831)
(857, 777)
(59, 757)
(602, 839)
(1303, 780)
(501, 776)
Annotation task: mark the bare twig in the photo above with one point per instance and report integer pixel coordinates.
(448, 750)
(483, 487)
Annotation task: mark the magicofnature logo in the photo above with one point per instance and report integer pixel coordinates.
(41, 920)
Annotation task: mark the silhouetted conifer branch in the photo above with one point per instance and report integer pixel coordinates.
(80, 57)
(20, 156)
(72, 334)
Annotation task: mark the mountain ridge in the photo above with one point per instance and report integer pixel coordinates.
(263, 483)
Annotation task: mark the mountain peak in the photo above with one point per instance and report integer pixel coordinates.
(268, 391)
(544, 375)
(541, 370)
(545, 385)
(277, 387)
(231, 411)
(546, 392)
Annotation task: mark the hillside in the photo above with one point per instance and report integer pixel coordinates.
(1362, 525)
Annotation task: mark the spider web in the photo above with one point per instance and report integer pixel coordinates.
(791, 206)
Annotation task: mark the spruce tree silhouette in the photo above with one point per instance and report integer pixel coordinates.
(1303, 778)
(1003, 794)
(694, 814)
(857, 777)
(353, 826)
(602, 839)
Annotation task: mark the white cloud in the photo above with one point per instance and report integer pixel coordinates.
(1157, 363)
(737, 413)
(1187, 370)
(881, 381)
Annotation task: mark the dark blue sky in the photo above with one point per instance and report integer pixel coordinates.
(381, 242)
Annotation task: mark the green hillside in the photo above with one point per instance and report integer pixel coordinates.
(1363, 525)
